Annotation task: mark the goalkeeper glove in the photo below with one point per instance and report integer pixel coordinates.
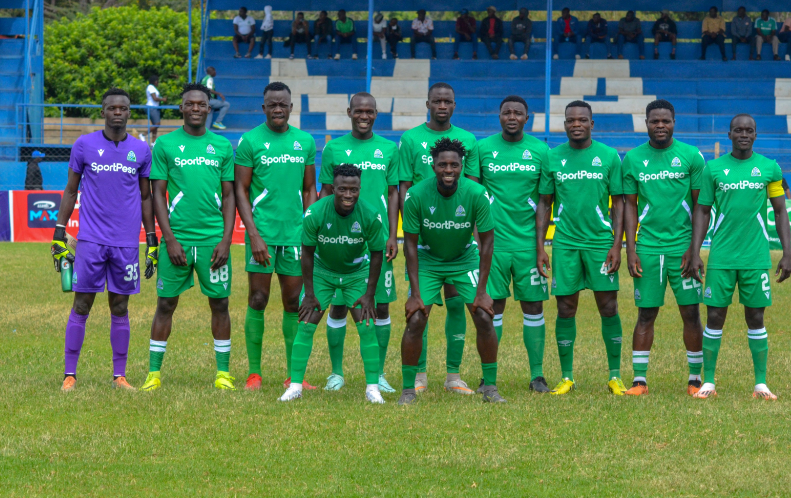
(59, 248)
(152, 254)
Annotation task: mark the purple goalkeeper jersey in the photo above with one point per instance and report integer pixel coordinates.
(110, 206)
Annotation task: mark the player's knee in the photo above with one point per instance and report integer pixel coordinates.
(258, 300)
(119, 308)
(754, 317)
(167, 305)
(609, 307)
(82, 306)
(532, 308)
(646, 315)
(291, 303)
(482, 319)
(566, 309)
(416, 324)
(218, 306)
(715, 317)
(690, 314)
(338, 312)
(383, 311)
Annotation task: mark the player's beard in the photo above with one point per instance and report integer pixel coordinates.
(452, 188)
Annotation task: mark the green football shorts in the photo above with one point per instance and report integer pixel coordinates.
(754, 288)
(385, 287)
(576, 269)
(658, 271)
(173, 280)
(349, 287)
(529, 285)
(431, 283)
(284, 260)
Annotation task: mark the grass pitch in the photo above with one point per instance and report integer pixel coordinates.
(189, 439)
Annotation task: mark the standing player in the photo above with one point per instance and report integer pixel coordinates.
(738, 184)
(511, 164)
(340, 235)
(113, 170)
(581, 177)
(661, 182)
(275, 183)
(416, 165)
(192, 177)
(440, 215)
(377, 158)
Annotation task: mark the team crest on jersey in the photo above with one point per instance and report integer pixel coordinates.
(596, 161)
(378, 154)
(160, 284)
(527, 155)
(329, 225)
(494, 153)
(424, 144)
(209, 149)
(554, 284)
(101, 152)
(676, 162)
(707, 294)
(432, 208)
(726, 171)
(756, 172)
(131, 156)
(460, 211)
(297, 146)
(74, 279)
(356, 228)
(562, 162)
(348, 152)
(253, 262)
(645, 163)
(637, 296)
(181, 148)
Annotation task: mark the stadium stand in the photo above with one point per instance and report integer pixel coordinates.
(12, 75)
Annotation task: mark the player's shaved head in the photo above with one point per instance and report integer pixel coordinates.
(360, 96)
(439, 85)
(742, 119)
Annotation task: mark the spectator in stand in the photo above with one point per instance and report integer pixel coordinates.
(521, 32)
(630, 31)
(322, 32)
(152, 103)
(784, 36)
(742, 31)
(243, 32)
(300, 33)
(393, 36)
(766, 31)
(465, 33)
(344, 33)
(423, 32)
(491, 33)
(664, 29)
(713, 32)
(379, 32)
(33, 178)
(597, 33)
(565, 31)
(267, 30)
(220, 106)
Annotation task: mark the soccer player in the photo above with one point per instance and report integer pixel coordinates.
(661, 182)
(581, 177)
(275, 183)
(440, 215)
(416, 165)
(377, 158)
(341, 232)
(192, 178)
(737, 185)
(110, 169)
(511, 164)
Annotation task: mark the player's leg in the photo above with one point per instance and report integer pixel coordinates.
(75, 336)
(120, 333)
(302, 347)
(259, 281)
(455, 333)
(336, 337)
(568, 278)
(412, 340)
(642, 340)
(717, 296)
(160, 332)
(756, 295)
(531, 290)
(689, 295)
(369, 347)
(649, 296)
(385, 294)
(498, 287)
(289, 274)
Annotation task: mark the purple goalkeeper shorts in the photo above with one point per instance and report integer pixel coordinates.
(96, 264)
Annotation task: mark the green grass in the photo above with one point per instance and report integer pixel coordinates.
(189, 439)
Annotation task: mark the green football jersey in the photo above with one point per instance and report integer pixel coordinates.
(445, 224)
(278, 161)
(582, 182)
(415, 161)
(194, 168)
(663, 180)
(377, 157)
(511, 171)
(342, 242)
(737, 190)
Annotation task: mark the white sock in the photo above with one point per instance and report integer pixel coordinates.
(640, 379)
(695, 377)
(372, 388)
(453, 376)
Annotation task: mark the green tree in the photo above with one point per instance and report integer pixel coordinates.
(117, 47)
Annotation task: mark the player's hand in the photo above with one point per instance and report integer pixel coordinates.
(613, 261)
(542, 263)
(783, 268)
(176, 253)
(260, 251)
(220, 255)
(152, 254)
(413, 305)
(694, 269)
(368, 305)
(308, 306)
(391, 249)
(484, 302)
(634, 264)
(59, 249)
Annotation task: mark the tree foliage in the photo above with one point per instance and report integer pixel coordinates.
(121, 47)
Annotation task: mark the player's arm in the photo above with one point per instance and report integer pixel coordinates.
(309, 301)
(630, 224)
(309, 186)
(613, 261)
(393, 200)
(485, 249)
(543, 212)
(414, 303)
(221, 252)
(784, 233)
(244, 177)
(403, 187)
(701, 217)
(326, 189)
(175, 251)
(367, 301)
(59, 249)
(152, 244)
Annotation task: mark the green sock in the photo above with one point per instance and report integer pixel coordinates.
(253, 337)
(533, 334)
(711, 349)
(302, 346)
(369, 350)
(222, 353)
(455, 329)
(409, 372)
(612, 333)
(759, 347)
(421, 362)
(382, 328)
(695, 362)
(497, 321)
(640, 365)
(336, 336)
(489, 373)
(156, 353)
(565, 335)
(290, 324)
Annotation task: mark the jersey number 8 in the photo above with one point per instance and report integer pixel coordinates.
(220, 275)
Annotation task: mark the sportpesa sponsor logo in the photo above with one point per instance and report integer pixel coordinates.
(446, 225)
(341, 239)
(494, 168)
(742, 185)
(579, 175)
(662, 175)
(197, 161)
(369, 165)
(283, 158)
(427, 159)
(115, 167)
